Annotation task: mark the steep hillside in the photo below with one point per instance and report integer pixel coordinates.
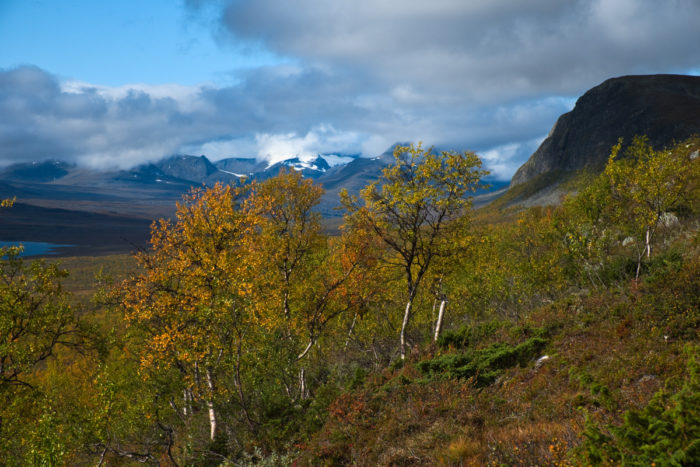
(666, 108)
(559, 336)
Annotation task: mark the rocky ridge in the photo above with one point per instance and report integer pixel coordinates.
(665, 108)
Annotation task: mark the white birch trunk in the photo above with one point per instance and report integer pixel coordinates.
(639, 268)
(352, 328)
(302, 384)
(210, 406)
(185, 402)
(306, 350)
(648, 243)
(441, 315)
(404, 325)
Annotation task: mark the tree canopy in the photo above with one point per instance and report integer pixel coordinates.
(417, 208)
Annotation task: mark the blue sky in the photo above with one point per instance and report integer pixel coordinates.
(113, 84)
(122, 42)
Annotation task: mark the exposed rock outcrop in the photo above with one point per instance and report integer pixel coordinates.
(666, 108)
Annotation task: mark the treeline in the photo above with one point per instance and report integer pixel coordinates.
(246, 325)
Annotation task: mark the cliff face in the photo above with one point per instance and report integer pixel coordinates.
(663, 107)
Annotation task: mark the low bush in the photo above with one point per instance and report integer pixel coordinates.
(665, 432)
(485, 364)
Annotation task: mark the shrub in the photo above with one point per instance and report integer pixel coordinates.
(665, 432)
(466, 336)
(673, 300)
(486, 364)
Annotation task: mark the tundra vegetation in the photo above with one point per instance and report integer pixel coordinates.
(424, 333)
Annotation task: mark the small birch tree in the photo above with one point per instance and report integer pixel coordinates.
(644, 186)
(303, 278)
(417, 208)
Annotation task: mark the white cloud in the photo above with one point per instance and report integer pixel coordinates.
(502, 161)
(187, 97)
(221, 149)
(274, 147)
(320, 139)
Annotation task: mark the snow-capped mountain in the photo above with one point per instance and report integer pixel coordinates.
(313, 166)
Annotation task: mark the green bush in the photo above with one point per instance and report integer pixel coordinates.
(665, 433)
(663, 265)
(466, 335)
(673, 300)
(486, 364)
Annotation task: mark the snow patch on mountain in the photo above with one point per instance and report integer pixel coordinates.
(300, 160)
(232, 173)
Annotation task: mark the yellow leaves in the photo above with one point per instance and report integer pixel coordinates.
(235, 264)
(647, 182)
(189, 298)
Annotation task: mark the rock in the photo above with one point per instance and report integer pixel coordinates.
(666, 108)
(647, 378)
(541, 361)
(668, 219)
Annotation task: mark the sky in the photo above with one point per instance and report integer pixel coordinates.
(116, 84)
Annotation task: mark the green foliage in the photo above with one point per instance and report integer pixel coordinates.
(35, 315)
(417, 209)
(663, 265)
(467, 335)
(38, 327)
(644, 186)
(672, 300)
(258, 459)
(47, 447)
(486, 364)
(666, 432)
(584, 226)
(625, 208)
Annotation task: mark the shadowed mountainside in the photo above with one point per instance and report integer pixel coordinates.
(666, 108)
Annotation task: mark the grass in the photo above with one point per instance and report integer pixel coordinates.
(84, 272)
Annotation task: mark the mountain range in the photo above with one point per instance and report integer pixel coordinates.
(105, 211)
(48, 182)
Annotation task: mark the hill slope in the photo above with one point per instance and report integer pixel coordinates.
(663, 107)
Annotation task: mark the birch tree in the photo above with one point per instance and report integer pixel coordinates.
(35, 316)
(417, 207)
(645, 185)
(303, 278)
(189, 306)
(37, 326)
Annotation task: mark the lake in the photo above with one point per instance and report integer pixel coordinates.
(35, 248)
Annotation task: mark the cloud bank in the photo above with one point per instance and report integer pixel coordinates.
(491, 76)
(480, 50)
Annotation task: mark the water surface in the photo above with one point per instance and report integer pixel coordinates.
(35, 248)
